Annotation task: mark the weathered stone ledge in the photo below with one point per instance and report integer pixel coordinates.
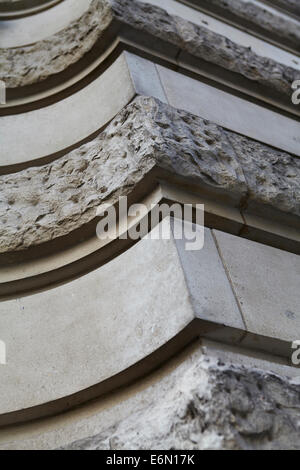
(34, 63)
(257, 18)
(42, 203)
(211, 404)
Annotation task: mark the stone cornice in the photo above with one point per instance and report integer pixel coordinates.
(32, 64)
(43, 203)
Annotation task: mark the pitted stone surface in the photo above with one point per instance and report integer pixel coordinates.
(272, 176)
(210, 405)
(149, 18)
(30, 64)
(261, 17)
(215, 48)
(26, 65)
(39, 204)
(42, 203)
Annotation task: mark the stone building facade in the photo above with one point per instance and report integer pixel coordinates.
(143, 344)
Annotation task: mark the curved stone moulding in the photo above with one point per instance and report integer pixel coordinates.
(179, 41)
(91, 108)
(221, 160)
(159, 315)
(10, 9)
(25, 277)
(147, 133)
(48, 214)
(255, 17)
(85, 112)
(51, 358)
(59, 367)
(29, 30)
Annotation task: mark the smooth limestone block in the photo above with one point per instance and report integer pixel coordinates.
(210, 291)
(71, 337)
(74, 336)
(33, 28)
(145, 76)
(66, 339)
(55, 127)
(266, 282)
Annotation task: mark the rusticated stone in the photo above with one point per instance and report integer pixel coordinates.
(272, 176)
(146, 17)
(30, 64)
(43, 203)
(258, 16)
(210, 405)
(215, 48)
(26, 65)
(39, 204)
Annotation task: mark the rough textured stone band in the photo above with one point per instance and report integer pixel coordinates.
(40, 204)
(255, 18)
(70, 45)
